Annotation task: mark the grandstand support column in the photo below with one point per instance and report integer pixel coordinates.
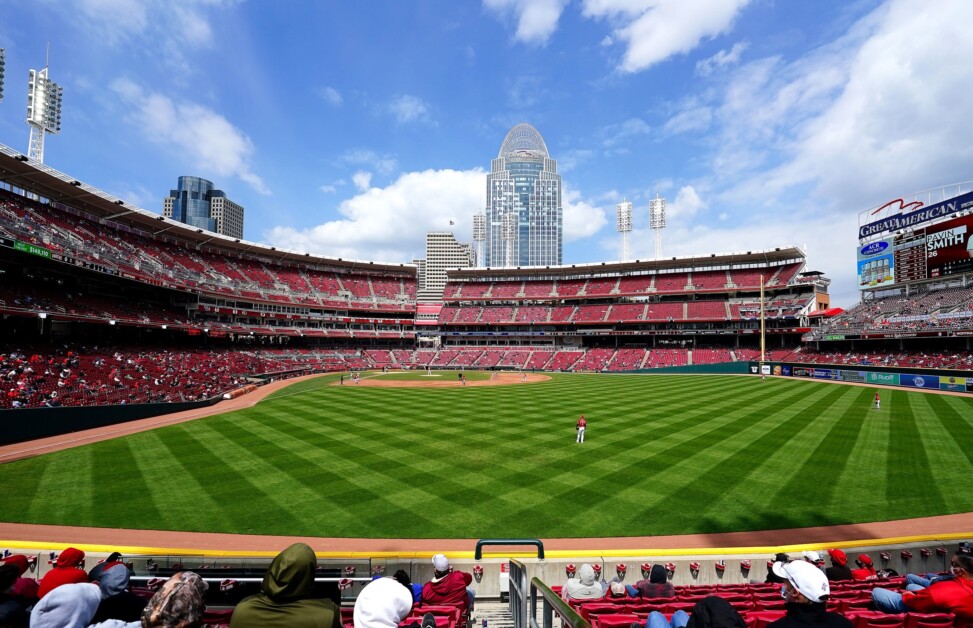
(763, 326)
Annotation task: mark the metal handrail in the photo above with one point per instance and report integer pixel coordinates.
(478, 554)
(552, 604)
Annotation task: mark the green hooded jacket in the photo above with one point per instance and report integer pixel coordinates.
(285, 598)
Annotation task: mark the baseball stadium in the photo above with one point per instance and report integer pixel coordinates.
(199, 402)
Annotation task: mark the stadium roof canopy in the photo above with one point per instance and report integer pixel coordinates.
(32, 176)
(709, 261)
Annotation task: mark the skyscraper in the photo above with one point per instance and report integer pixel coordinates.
(196, 203)
(443, 253)
(524, 220)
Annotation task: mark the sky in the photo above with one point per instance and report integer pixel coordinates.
(350, 129)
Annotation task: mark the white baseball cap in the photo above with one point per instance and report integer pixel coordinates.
(440, 562)
(806, 578)
(811, 555)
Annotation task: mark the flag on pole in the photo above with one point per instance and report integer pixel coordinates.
(451, 223)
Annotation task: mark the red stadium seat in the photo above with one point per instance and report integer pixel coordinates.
(929, 620)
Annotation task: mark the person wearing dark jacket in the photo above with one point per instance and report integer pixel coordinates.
(13, 611)
(806, 594)
(285, 599)
(657, 585)
(117, 601)
(710, 612)
(773, 578)
(839, 569)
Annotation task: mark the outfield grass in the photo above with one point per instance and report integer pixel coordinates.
(664, 455)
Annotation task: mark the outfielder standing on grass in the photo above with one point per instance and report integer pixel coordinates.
(580, 428)
(878, 401)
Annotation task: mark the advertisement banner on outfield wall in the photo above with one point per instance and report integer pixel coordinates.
(885, 379)
(876, 264)
(822, 373)
(949, 248)
(800, 371)
(857, 377)
(920, 381)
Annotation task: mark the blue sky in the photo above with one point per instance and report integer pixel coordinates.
(350, 129)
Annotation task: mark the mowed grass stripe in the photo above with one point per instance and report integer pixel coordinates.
(664, 454)
(65, 489)
(911, 475)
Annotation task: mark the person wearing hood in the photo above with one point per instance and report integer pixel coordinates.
(94, 574)
(839, 569)
(448, 587)
(23, 588)
(285, 598)
(584, 587)
(117, 601)
(657, 585)
(773, 578)
(70, 605)
(66, 570)
(13, 611)
(179, 603)
(383, 603)
(806, 594)
(866, 568)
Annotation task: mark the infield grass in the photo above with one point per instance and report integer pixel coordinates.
(665, 454)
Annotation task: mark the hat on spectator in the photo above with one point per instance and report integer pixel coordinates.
(440, 562)
(838, 557)
(865, 559)
(811, 555)
(806, 578)
(617, 588)
(18, 560)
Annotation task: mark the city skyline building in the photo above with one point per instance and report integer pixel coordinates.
(196, 202)
(443, 252)
(524, 217)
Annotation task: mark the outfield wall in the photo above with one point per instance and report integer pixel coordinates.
(722, 368)
(924, 379)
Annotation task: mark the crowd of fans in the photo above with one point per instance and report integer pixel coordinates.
(70, 597)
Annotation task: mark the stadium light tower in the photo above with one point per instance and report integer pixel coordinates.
(43, 111)
(510, 224)
(479, 237)
(657, 221)
(2, 62)
(624, 213)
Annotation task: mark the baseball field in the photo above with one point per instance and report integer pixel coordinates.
(663, 455)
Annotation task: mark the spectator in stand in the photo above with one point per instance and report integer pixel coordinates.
(286, 595)
(656, 585)
(866, 568)
(403, 578)
(384, 603)
(449, 587)
(71, 605)
(13, 610)
(23, 588)
(584, 587)
(178, 604)
(94, 574)
(117, 601)
(67, 570)
(949, 596)
(839, 569)
(710, 612)
(914, 582)
(806, 593)
(772, 577)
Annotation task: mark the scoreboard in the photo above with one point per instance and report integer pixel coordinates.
(910, 257)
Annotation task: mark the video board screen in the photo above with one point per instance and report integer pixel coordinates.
(949, 248)
(876, 264)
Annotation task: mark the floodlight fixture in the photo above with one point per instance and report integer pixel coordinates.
(44, 98)
(657, 221)
(2, 64)
(624, 225)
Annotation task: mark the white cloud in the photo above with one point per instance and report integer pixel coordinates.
(408, 108)
(331, 188)
(686, 205)
(616, 134)
(536, 19)
(332, 96)
(693, 119)
(721, 59)
(389, 224)
(654, 30)
(384, 164)
(198, 135)
(581, 218)
(362, 180)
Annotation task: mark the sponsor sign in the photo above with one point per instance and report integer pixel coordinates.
(949, 247)
(885, 379)
(801, 372)
(786, 370)
(953, 387)
(822, 373)
(910, 219)
(33, 249)
(754, 368)
(876, 264)
(920, 381)
(777, 369)
(857, 377)
(765, 369)
(961, 381)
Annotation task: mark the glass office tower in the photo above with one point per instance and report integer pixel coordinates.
(524, 220)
